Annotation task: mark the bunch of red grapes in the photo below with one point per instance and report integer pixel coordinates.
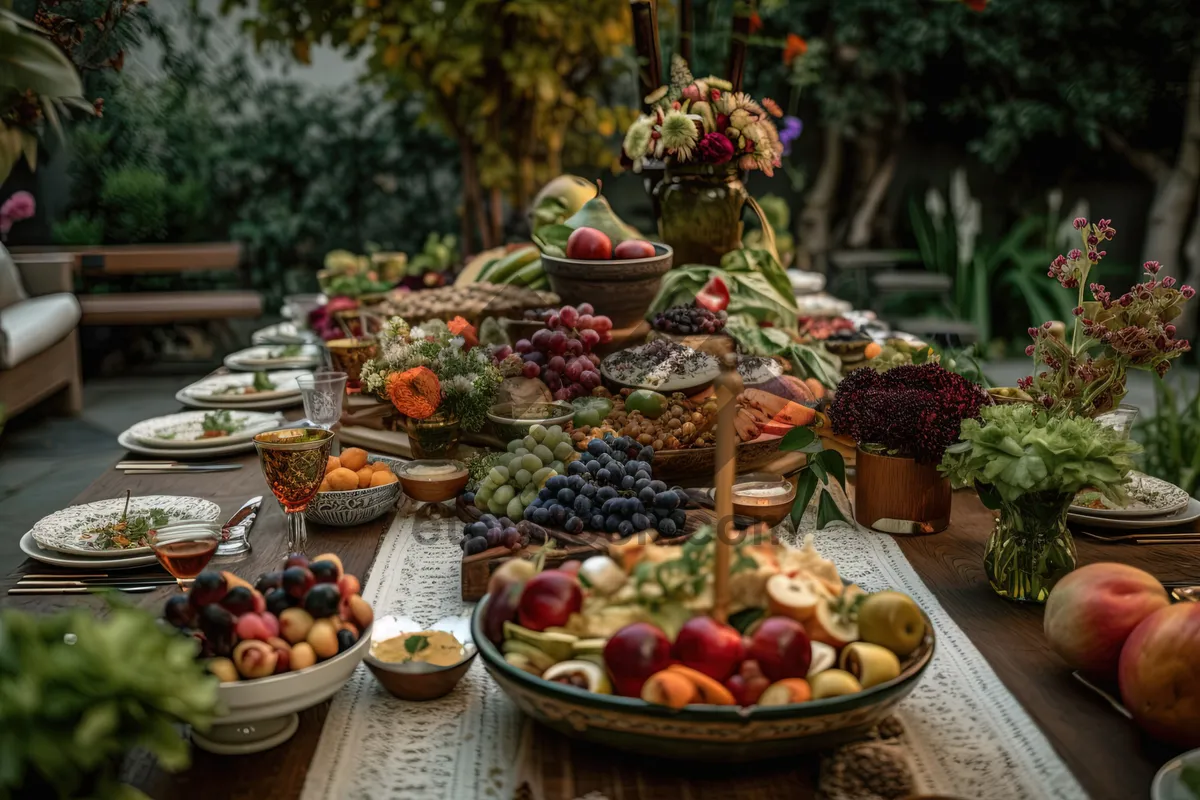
(561, 353)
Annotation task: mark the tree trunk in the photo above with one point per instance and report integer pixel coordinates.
(473, 193)
(814, 243)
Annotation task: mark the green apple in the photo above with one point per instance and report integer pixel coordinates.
(893, 620)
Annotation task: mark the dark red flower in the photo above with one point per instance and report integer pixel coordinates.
(715, 148)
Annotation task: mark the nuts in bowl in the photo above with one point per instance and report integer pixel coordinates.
(358, 487)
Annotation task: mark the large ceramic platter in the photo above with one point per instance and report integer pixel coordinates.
(1148, 497)
(662, 366)
(127, 441)
(274, 357)
(228, 389)
(186, 430)
(72, 530)
(29, 547)
(1182, 517)
(284, 333)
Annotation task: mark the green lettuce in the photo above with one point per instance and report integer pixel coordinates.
(809, 361)
(758, 287)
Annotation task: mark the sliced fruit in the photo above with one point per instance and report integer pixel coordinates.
(714, 295)
(556, 645)
(834, 683)
(580, 674)
(710, 691)
(796, 597)
(671, 689)
(833, 624)
(793, 415)
(588, 646)
(536, 657)
(870, 663)
(522, 663)
(823, 658)
(785, 692)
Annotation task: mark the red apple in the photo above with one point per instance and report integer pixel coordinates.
(748, 684)
(634, 248)
(589, 244)
(549, 600)
(1091, 612)
(707, 646)
(1159, 673)
(633, 654)
(781, 647)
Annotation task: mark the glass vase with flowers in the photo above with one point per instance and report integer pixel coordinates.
(903, 420)
(437, 377)
(1086, 373)
(1029, 462)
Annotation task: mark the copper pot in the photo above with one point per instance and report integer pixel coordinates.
(898, 495)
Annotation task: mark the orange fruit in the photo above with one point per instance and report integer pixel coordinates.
(382, 478)
(364, 477)
(342, 479)
(873, 350)
(379, 466)
(353, 458)
(325, 487)
(332, 464)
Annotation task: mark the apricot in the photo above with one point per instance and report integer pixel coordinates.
(382, 478)
(671, 689)
(364, 477)
(353, 458)
(232, 580)
(333, 463)
(342, 479)
(380, 466)
(324, 487)
(254, 659)
(294, 624)
(360, 612)
(710, 690)
(323, 639)
(223, 668)
(303, 656)
(348, 585)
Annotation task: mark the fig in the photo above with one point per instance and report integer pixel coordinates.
(268, 581)
(325, 571)
(297, 581)
(179, 611)
(303, 656)
(323, 638)
(322, 600)
(254, 659)
(239, 600)
(209, 587)
(223, 668)
(278, 601)
(294, 624)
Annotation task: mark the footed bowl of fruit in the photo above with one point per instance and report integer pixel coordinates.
(611, 652)
(623, 280)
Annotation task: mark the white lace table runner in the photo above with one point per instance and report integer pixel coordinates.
(968, 736)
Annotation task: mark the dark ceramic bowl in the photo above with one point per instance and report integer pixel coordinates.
(420, 681)
(700, 733)
(621, 289)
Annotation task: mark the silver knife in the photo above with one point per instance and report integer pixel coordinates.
(235, 534)
(80, 589)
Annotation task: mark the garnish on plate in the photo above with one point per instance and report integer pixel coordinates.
(262, 383)
(220, 423)
(127, 533)
(287, 351)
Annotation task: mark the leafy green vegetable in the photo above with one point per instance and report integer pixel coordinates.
(82, 692)
(221, 422)
(758, 287)
(809, 361)
(262, 382)
(1019, 449)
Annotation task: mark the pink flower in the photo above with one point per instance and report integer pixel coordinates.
(1168, 282)
(692, 92)
(1187, 292)
(1075, 254)
(1152, 267)
(16, 208)
(1080, 223)
(715, 148)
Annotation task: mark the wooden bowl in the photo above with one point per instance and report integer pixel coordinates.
(694, 462)
(432, 490)
(770, 509)
(621, 290)
(420, 681)
(701, 733)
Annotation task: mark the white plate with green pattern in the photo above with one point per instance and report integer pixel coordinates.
(202, 430)
(85, 530)
(1148, 497)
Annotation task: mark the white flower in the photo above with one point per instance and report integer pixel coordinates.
(458, 342)
(462, 383)
(418, 332)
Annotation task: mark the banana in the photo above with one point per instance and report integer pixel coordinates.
(528, 273)
(510, 264)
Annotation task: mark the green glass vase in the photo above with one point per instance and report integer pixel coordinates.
(1030, 548)
(433, 437)
(700, 211)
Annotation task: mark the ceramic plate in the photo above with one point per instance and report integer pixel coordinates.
(1169, 784)
(29, 547)
(284, 333)
(185, 431)
(258, 405)
(223, 388)
(1149, 497)
(71, 529)
(683, 369)
(274, 357)
(1182, 517)
(127, 441)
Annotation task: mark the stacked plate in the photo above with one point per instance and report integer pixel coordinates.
(267, 357)
(284, 333)
(238, 391)
(77, 536)
(194, 434)
(1153, 503)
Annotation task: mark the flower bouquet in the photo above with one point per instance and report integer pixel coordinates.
(437, 377)
(903, 420)
(1109, 336)
(1030, 462)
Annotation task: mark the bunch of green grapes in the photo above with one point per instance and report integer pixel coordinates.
(514, 481)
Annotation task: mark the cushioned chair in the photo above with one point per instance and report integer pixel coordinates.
(39, 346)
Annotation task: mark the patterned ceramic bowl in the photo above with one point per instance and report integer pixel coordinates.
(355, 506)
(699, 733)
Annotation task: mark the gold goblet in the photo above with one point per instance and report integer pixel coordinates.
(293, 462)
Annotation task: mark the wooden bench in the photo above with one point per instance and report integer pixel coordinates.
(164, 308)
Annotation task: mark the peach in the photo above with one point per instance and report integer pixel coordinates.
(1091, 612)
(294, 624)
(342, 479)
(254, 659)
(671, 689)
(303, 656)
(382, 478)
(788, 690)
(324, 487)
(1159, 674)
(379, 466)
(353, 458)
(257, 626)
(364, 477)
(333, 463)
(323, 638)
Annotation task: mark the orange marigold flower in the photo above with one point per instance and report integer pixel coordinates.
(415, 393)
(796, 46)
(772, 107)
(460, 327)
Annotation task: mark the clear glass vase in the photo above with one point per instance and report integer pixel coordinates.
(700, 212)
(433, 437)
(1030, 548)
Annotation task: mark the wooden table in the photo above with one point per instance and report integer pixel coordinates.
(1107, 755)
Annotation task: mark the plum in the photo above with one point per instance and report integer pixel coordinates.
(278, 601)
(268, 581)
(345, 640)
(501, 608)
(179, 611)
(218, 626)
(322, 600)
(297, 581)
(294, 624)
(255, 659)
(324, 571)
(335, 559)
(238, 601)
(209, 587)
(323, 638)
(296, 560)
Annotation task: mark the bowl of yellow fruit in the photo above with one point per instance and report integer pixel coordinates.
(358, 487)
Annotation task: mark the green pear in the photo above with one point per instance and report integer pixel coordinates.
(597, 213)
